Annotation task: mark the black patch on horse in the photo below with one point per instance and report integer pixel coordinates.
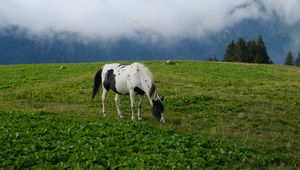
(139, 91)
(152, 90)
(110, 81)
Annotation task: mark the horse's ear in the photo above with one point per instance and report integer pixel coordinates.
(162, 98)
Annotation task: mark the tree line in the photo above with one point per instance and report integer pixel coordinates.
(289, 60)
(253, 51)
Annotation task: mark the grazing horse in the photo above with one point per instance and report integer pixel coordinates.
(135, 80)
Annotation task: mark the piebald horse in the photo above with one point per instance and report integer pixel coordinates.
(134, 80)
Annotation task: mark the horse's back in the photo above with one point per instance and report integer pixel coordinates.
(123, 78)
(110, 66)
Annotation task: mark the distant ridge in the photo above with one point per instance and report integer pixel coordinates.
(17, 47)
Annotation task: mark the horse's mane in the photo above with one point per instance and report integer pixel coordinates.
(145, 70)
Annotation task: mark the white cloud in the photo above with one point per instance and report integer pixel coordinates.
(109, 19)
(288, 11)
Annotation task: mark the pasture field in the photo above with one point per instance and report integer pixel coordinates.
(218, 116)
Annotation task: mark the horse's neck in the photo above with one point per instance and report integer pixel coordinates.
(146, 81)
(149, 86)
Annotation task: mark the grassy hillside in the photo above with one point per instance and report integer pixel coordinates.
(217, 115)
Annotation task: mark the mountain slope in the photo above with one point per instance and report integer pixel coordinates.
(17, 46)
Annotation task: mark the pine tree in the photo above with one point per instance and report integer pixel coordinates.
(297, 61)
(262, 54)
(289, 59)
(251, 50)
(241, 51)
(230, 52)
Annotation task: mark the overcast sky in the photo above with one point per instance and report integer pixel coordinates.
(108, 19)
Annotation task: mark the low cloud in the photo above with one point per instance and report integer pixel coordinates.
(112, 19)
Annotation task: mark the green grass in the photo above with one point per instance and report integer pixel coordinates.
(218, 115)
(46, 140)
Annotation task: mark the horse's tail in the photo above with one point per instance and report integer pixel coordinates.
(97, 83)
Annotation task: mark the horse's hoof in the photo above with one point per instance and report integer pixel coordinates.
(121, 116)
(140, 118)
(104, 114)
(162, 120)
(133, 118)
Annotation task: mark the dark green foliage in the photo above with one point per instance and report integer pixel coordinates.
(261, 52)
(251, 51)
(289, 60)
(248, 52)
(230, 52)
(297, 60)
(241, 51)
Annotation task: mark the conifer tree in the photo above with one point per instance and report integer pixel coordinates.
(241, 51)
(230, 52)
(261, 55)
(289, 60)
(297, 61)
(251, 51)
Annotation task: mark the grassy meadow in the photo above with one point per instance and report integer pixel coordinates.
(218, 116)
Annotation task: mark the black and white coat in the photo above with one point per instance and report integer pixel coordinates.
(134, 80)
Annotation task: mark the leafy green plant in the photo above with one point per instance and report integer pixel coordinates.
(46, 140)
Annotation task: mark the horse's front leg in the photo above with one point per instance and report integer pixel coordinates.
(132, 100)
(117, 100)
(140, 107)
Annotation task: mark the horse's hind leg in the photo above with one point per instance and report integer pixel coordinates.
(117, 100)
(140, 107)
(132, 100)
(104, 94)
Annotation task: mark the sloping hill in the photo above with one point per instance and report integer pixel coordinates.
(239, 115)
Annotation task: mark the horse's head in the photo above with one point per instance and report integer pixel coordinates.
(158, 109)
